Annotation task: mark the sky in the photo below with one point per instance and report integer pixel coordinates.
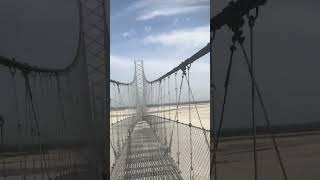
(162, 33)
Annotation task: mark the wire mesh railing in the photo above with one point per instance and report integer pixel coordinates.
(119, 133)
(187, 146)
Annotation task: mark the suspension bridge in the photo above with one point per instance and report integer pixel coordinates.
(53, 120)
(147, 140)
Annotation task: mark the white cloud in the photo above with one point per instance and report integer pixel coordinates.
(149, 9)
(121, 68)
(129, 33)
(139, 4)
(119, 61)
(169, 11)
(182, 38)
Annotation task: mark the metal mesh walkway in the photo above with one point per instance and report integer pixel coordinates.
(147, 158)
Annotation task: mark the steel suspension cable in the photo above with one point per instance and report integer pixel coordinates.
(266, 116)
(251, 24)
(30, 97)
(164, 119)
(190, 131)
(226, 86)
(198, 114)
(121, 113)
(177, 118)
(169, 97)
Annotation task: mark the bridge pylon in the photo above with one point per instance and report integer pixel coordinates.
(140, 87)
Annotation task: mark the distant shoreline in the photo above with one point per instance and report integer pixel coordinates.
(276, 129)
(165, 104)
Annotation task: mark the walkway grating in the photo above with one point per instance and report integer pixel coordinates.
(147, 158)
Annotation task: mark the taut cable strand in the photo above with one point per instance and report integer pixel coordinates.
(251, 24)
(164, 119)
(177, 115)
(226, 86)
(169, 97)
(128, 112)
(178, 152)
(113, 138)
(19, 123)
(175, 87)
(117, 127)
(159, 107)
(177, 108)
(161, 111)
(158, 99)
(198, 114)
(121, 112)
(266, 116)
(190, 131)
(29, 93)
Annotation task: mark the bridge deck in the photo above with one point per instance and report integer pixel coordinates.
(146, 157)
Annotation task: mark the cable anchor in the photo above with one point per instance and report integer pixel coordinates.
(252, 18)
